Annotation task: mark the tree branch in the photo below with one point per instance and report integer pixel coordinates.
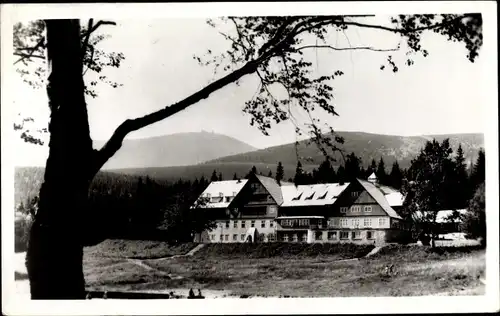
(348, 48)
(279, 42)
(91, 58)
(115, 142)
(32, 51)
(27, 56)
(91, 30)
(406, 31)
(86, 40)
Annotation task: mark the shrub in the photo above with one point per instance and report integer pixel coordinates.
(281, 249)
(22, 228)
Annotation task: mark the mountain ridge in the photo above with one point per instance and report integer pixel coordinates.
(180, 149)
(365, 145)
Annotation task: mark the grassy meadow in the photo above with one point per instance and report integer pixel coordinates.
(273, 270)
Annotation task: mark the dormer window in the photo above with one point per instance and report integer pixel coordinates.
(323, 196)
(310, 197)
(297, 197)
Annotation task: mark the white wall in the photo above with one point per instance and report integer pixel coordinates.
(375, 222)
(222, 230)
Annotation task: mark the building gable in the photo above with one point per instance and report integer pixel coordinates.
(254, 200)
(361, 200)
(380, 198)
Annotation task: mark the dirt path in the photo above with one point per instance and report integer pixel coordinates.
(143, 262)
(374, 251)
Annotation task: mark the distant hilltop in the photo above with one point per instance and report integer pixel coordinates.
(367, 146)
(180, 149)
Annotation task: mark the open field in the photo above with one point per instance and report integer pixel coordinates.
(137, 249)
(310, 271)
(417, 271)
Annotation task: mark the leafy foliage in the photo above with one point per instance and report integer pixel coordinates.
(29, 45)
(275, 47)
(432, 184)
(474, 221)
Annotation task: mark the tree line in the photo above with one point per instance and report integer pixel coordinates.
(438, 179)
(326, 172)
(122, 206)
(126, 206)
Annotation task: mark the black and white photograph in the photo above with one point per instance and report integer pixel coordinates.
(309, 157)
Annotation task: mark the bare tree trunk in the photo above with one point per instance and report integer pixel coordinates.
(55, 251)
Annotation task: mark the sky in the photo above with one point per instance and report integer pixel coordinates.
(438, 94)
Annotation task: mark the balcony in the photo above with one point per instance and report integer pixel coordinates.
(304, 227)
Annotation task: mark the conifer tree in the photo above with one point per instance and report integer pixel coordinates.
(235, 177)
(380, 172)
(396, 176)
(461, 188)
(299, 174)
(341, 175)
(214, 176)
(427, 188)
(325, 173)
(280, 172)
(352, 168)
(252, 171)
(478, 174)
(270, 174)
(220, 176)
(362, 173)
(372, 168)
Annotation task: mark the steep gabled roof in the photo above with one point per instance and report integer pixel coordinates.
(379, 197)
(393, 196)
(273, 187)
(227, 188)
(322, 194)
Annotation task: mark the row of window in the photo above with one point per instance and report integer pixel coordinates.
(220, 195)
(295, 222)
(343, 222)
(270, 237)
(356, 209)
(242, 224)
(333, 235)
(355, 222)
(219, 199)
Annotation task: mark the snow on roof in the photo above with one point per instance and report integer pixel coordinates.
(289, 195)
(395, 199)
(313, 194)
(227, 188)
(379, 196)
(372, 176)
(273, 187)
